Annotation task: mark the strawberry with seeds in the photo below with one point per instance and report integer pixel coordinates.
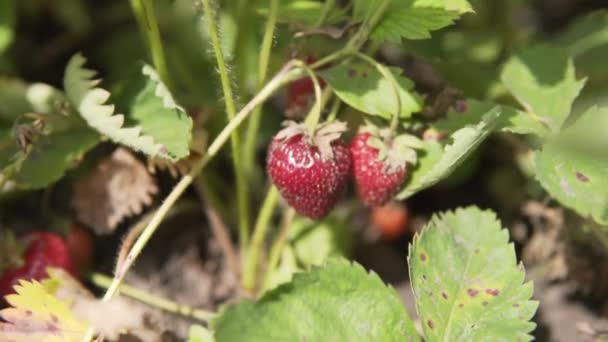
(380, 163)
(310, 169)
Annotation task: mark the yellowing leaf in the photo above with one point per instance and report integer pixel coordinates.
(37, 315)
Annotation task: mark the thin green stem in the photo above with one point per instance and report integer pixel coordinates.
(146, 16)
(263, 62)
(104, 281)
(395, 85)
(241, 184)
(327, 7)
(260, 230)
(335, 108)
(279, 244)
(315, 114)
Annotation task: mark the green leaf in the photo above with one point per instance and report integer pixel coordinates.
(545, 87)
(8, 18)
(37, 315)
(436, 162)
(149, 105)
(52, 155)
(198, 333)
(466, 281)
(13, 99)
(586, 39)
(364, 88)
(572, 168)
(315, 242)
(511, 119)
(90, 102)
(585, 34)
(411, 19)
(337, 302)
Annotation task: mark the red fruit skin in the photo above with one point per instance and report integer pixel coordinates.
(44, 250)
(390, 220)
(81, 247)
(309, 184)
(374, 186)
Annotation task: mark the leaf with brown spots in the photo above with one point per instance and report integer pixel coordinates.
(572, 167)
(468, 285)
(37, 315)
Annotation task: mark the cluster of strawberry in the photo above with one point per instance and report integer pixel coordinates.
(311, 169)
(43, 249)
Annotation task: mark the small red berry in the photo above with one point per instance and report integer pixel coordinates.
(381, 169)
(390, 220)
(310, 173)
(82, 248)
(44, 250)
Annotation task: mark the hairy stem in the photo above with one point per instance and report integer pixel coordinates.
(241, 184)
(285, 75)
(104, 281)
(260, 230)
(263, 61)
(146, 16)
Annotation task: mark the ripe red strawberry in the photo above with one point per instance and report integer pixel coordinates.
(310, 172)
(44, 249)
(81, 247)
(379, 169)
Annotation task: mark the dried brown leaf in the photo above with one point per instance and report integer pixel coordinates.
(119, 187)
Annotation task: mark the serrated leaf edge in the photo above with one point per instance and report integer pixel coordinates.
(90, 101)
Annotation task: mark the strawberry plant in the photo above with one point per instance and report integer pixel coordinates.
(253, 166)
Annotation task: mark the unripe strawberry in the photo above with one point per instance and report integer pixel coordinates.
(310, 171)
(390, 220)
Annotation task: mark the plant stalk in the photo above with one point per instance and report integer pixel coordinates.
(165, 304)
(241, 184)
(279, 244)
(285, 75)
(146, 16)
(262, 225)
(263, 62)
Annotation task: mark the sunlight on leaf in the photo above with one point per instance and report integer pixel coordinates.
(37, 315)
(545, 87)
(436, 163)
(364, 88)
(337, 302)
(466, 280)
(90, 102)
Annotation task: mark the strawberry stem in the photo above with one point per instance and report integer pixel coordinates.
(284, 76)
(278, 245)
(165, 304)
(315, 113)
(263, 61)
(386, 73)
(235, 141)
(260, 230)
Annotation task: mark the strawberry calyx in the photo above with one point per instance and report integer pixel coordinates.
(322, 138)
(394, 151)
